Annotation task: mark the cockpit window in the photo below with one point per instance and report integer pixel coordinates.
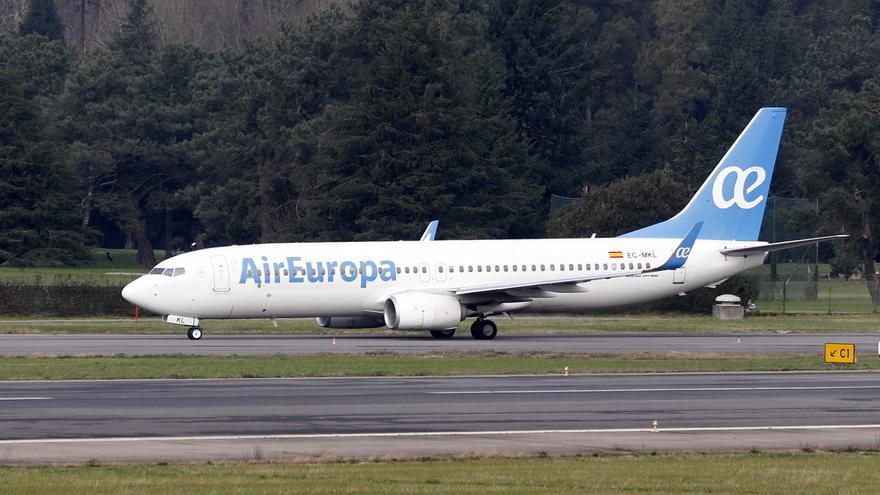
(157, 271)
(179, 271)
(168, 272)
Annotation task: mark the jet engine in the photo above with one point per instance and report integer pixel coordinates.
(420, 311)
(350, 322)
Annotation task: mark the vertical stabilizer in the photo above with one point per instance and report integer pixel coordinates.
(730, 204)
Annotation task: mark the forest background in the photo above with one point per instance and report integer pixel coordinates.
(159, 123)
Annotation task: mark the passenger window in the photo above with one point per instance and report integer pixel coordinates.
(424, 269)
(648, 266)
(440, 268)
(407, 269)
(570, 266)
(497, 268)
(561, 267)
(604, 266)
(639, 266)
(587, 266)
(542, 268)
(470, 268)
(534, 268)
(552, 268)
(514, 267)
(460, 269)
(398, 270)
(614, 266)
(524, 268)
(285, 272)
(630, 266)
(480, 268)
(488, 268)
(580, 267)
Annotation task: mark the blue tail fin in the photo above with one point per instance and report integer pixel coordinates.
(731, 202)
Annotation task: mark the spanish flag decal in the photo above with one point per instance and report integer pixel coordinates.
(615, 254)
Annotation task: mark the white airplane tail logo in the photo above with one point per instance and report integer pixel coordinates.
(739, 188)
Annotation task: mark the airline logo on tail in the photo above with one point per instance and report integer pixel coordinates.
(740, 189)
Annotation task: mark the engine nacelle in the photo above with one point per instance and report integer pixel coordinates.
(350, 322)
(420, 311)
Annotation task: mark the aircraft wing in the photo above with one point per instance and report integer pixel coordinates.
(778, 246)
(569, 284)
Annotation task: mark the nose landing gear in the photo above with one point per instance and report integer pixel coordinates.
(194, 333)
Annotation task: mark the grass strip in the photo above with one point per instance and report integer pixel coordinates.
(393, 364)
(668, 323)
(766, 473)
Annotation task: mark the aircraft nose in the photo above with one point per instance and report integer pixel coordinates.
(134, 292)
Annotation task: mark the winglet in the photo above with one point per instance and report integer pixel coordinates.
(431, 231)
(681, 253)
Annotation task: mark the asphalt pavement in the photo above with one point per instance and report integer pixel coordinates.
(108, 344)
(74, 421)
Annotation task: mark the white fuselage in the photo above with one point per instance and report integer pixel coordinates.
(267, 280)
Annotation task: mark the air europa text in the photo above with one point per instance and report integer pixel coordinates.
(295, 271)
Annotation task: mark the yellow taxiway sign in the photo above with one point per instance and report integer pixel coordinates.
(840, 353)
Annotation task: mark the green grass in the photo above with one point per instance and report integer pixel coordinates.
(664, 323)
(784, 473)
(120, 271)
(393, 364)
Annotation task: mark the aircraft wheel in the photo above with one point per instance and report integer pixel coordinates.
(194, 333)
(443, 334)
(484, 330)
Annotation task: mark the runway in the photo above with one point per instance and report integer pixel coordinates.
(223, 419)
(103, 344)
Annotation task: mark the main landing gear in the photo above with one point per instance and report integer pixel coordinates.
(194, 333)
(483, 329)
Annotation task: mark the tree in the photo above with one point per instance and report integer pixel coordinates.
(427, 135)
(846, 171)
(837, 136)
(619, 207)
(126, 113)
(253, 148)
(37, 213)
(42, 19)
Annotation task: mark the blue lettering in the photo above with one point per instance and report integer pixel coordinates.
(248, 271)
(389, 271)
(293, 269)
(368, 273)
(348, 271)
(266, 273)
(315, 274)
(331, 267)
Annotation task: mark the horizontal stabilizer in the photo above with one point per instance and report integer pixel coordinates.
(779, 246)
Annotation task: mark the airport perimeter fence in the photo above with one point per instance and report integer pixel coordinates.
(801, 288)
(73, 299)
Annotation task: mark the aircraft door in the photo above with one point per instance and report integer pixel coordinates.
(424, 272)
(221, 273)
(441, 271)
(678, 276)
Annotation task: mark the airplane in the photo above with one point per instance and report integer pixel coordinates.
(434, 286)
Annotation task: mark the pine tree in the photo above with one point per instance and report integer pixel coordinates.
(42, 19)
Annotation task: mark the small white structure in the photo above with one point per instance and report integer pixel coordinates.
(728, 307)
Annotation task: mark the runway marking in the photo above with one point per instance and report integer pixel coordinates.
(624, 390)
(411, 434)
(25, 398)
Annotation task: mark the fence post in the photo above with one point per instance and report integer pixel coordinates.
(784, 294)
(829, 295)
